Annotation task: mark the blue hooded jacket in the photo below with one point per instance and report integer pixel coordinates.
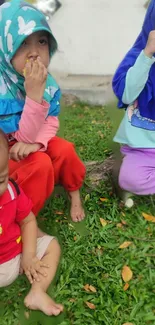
(146, 100)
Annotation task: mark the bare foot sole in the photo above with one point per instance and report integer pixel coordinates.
(39, 300)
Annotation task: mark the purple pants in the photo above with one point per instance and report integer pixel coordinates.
(137, 172)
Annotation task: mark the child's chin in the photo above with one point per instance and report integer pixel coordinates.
(2, 192)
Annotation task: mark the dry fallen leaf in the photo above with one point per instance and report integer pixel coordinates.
(92, 289)
(72, 300)
(99, 251)
(128, 324)
(27, 314)
(123, 222)
(90, 305)
(42, 219)
(86, 287)
(125, 244)
(89, 288)
(103, 222)
(59, 212)
(103, 199)
(127, 274)
(148, 217)
(75, 238)
(100, 134)
(119, 225)
(126, 286)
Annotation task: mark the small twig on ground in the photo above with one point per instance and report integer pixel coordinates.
(142, 239)
(150, 255)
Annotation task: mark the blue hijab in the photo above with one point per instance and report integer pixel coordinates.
(18, 20)
(146, 100)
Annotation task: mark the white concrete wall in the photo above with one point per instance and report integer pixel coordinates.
(94, 35)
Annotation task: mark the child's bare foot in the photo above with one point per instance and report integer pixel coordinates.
(37, 299)
(77, 212)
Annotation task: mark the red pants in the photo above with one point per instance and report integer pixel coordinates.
(40, 171)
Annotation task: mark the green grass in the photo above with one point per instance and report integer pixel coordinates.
(94, 257)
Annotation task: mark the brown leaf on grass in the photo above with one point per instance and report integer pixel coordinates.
(127, 274)
(103, 199)
(148, 217)
(59, 212)
(72, 300)
(86, 287)
(119, 225)
(75, 238)
(90, 305)
(89, 288)
(103, 222)
(27, 314)
(42, 218)
(100, 134)
(125, 244)
(99, 251)
(128, 324)
(126, 287)
(124, 222)
(92, 289)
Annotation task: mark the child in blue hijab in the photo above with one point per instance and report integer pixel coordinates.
(29, 109)
(134, 86)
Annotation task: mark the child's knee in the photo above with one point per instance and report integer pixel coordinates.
(43, 162)
(68, 150)
(129, 181)
(54, 246)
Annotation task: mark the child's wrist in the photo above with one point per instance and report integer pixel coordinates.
(35, 98)
(28, 255)
(148, 53)
(37, 146)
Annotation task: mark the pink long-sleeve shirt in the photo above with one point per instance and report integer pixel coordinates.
(35, 126)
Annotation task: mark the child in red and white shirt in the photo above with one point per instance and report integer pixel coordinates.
(23, 247)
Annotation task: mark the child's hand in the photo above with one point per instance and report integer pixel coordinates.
(35, 79)
(21, 150)
(150, 46)
(33, 267)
